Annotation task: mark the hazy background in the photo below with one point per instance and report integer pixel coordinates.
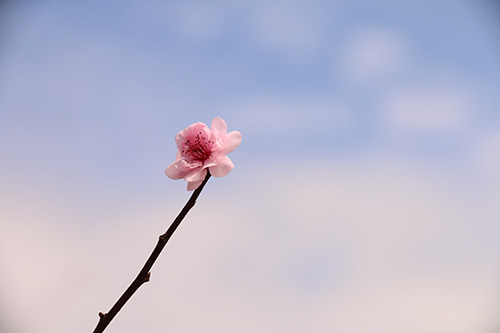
(366, 191)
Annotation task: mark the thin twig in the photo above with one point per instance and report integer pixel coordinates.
(144, 274)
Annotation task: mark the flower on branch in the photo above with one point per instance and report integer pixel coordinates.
(201, 148)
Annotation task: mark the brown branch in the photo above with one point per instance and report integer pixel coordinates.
(144, 274)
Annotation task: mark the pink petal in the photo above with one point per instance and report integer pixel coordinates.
(209, 164)
(219, 127)
(180, 140)
(232, 141)
(194, 185)
(177, 170)
(191, 131)
(190, 134)
(196, 175)
(223, 167)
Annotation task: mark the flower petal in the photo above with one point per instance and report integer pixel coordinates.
(232, 141)
(209, 163)
(194, 185)
(180, 140)
(196, 175)
(177, 170)
(223, 167)
(219, 127)
(201, 149)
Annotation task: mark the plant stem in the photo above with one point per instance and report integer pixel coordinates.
(144, 274)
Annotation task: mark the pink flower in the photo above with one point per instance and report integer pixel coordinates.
(201, 148)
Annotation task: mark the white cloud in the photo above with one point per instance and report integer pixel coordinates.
(200, 22)
(487, 153)
(361, 247)
(372, 53)
(293, 30)
(434, 107)
(281, 115)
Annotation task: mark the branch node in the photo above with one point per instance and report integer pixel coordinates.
(147, 277)
(101, 315)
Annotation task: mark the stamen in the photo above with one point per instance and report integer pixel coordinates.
(200, 150)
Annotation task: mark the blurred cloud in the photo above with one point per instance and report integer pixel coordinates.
(374, 53)
(365, 194)
(287, 115)
(487, 156)
(431, 107)
(294, 30)
(417, 255)
(200, 22)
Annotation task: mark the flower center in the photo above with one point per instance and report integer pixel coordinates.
(199, 150)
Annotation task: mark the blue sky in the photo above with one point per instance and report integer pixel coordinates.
(366, 184)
